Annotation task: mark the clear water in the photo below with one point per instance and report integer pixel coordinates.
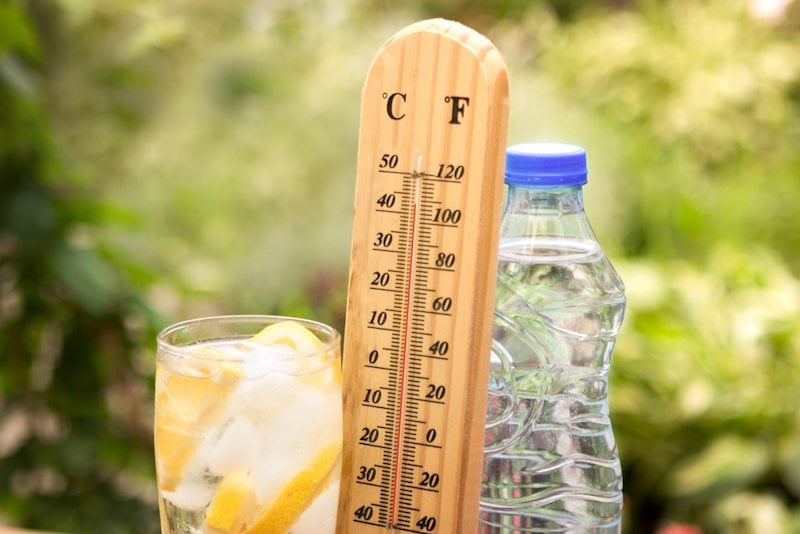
(551, 462)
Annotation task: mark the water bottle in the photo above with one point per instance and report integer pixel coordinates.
(550, 461)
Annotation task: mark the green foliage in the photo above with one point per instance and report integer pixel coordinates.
(198, 158)
(706, 117)
(241, 155)
(75, 438)
(704, 388)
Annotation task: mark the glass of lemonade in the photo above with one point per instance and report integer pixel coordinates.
(248, 426)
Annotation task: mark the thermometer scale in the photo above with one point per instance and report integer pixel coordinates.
(421, 287)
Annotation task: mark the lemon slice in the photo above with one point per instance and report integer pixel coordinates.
(231, 503)
(296, 494)
(298, 338)
(289, 333)
(186, 406)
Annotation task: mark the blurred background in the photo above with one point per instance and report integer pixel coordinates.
(161, 160)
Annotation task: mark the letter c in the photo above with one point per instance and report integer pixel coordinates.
(390, 106)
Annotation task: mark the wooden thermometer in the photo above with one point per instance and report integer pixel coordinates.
(422, 274)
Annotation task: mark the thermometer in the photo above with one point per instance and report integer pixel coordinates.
(421, 288)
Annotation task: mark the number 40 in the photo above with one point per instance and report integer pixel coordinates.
(427, 523)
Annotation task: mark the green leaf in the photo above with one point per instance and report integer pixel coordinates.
(89, 278)
(727, 464)
(16, 34)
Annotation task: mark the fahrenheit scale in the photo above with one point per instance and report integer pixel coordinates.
(422, 274)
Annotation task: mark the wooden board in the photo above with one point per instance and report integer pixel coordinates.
(422, 275)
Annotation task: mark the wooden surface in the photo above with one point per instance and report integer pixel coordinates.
(420, 302)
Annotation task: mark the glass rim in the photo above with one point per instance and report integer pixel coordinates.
(185, 351)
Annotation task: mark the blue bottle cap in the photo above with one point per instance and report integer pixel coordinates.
(546, 165)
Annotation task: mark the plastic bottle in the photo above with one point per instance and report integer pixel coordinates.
(550, 460)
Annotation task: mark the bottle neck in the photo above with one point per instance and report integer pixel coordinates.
(540, 211)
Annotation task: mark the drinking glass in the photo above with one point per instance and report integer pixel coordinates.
(248, 426)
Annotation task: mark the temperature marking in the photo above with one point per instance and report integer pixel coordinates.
(403, 376)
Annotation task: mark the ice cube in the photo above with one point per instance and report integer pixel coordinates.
(191, 494)
(306, 420)
(236, 448)
(264, 359)
(269, 475)
(260, 398)
(320, 516)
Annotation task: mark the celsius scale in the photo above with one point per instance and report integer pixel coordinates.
(421, 288)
